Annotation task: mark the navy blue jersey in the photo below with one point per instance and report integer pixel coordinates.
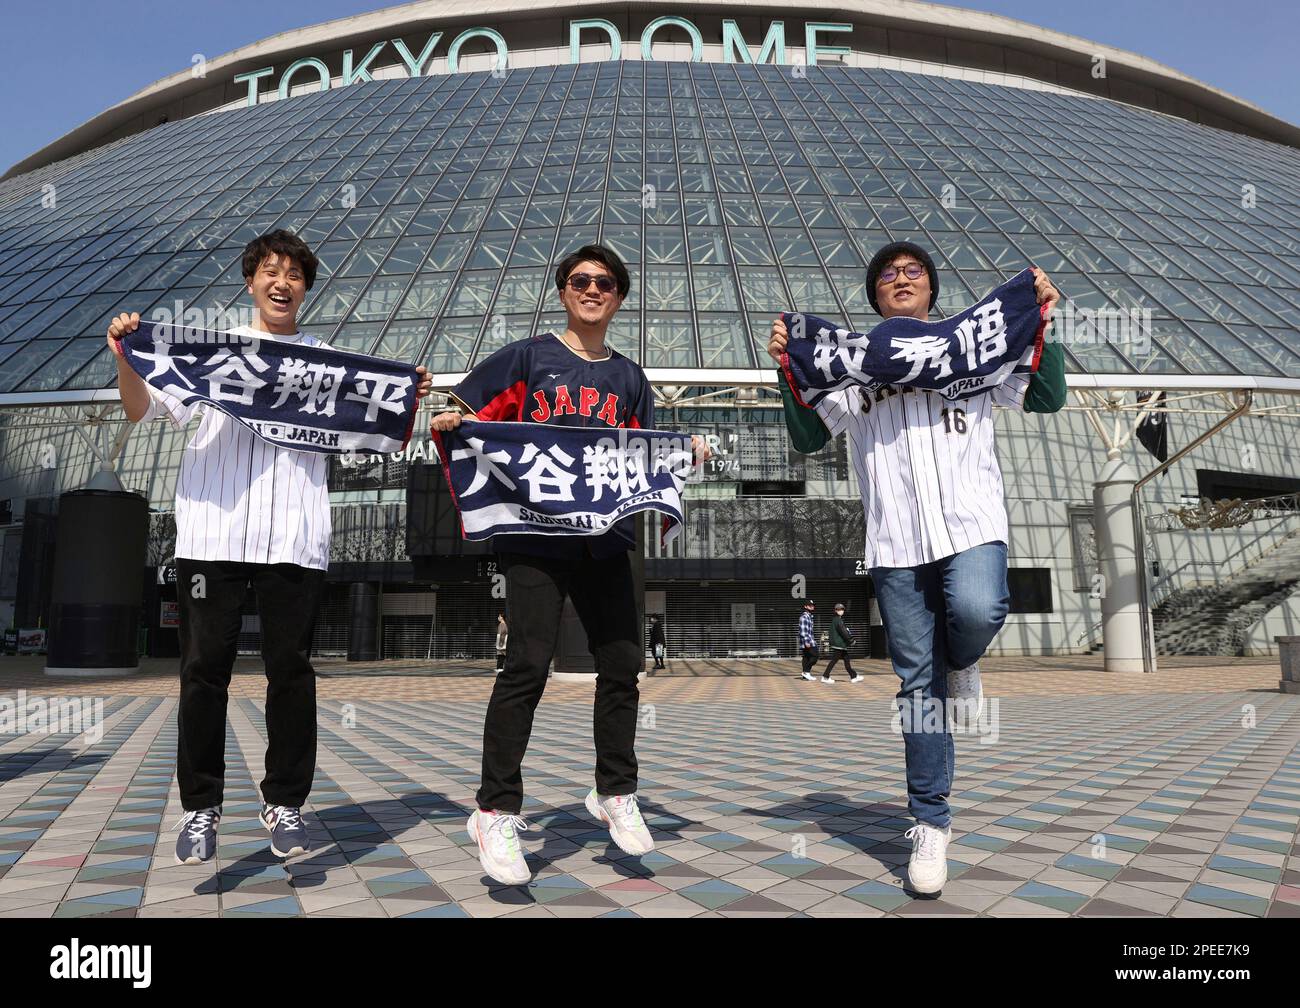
(541, 380)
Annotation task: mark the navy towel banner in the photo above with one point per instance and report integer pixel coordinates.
(958, 357)
(553, 480)
(291, 395)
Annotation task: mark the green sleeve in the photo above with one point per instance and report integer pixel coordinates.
(807, 432)
(1046, 392)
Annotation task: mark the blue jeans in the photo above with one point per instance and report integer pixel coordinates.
(938, 616)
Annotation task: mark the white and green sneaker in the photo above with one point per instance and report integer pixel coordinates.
(623, 817)
(499, 853)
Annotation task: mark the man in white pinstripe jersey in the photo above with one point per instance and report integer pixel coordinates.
(936, 543)
(247, 512)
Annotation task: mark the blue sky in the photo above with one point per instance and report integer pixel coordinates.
(65, 61)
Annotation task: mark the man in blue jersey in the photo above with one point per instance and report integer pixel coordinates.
(575, 380)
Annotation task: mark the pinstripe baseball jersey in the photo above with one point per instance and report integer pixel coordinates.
(926, 468)
(241, 498)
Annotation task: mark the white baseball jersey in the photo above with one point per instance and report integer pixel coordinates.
(241, 498)
(926, 467)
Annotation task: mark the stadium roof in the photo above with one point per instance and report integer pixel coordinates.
(438, 203)
(927, 34)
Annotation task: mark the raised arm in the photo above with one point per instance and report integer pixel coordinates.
(807, 432)
(132, 388)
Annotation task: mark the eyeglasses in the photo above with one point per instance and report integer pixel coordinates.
(912, 271)
(581, 281)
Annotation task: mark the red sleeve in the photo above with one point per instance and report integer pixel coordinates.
(496, 388)
(642, 414)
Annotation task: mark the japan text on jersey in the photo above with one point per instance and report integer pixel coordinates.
(540, 380)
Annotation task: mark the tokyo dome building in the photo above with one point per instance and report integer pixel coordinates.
(743, 159)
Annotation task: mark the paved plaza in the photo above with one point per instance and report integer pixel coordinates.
(1087, 794)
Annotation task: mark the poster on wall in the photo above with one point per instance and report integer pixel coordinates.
(31, 641)
(170, 617)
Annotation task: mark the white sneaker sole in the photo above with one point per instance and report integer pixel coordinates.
(193, 859)
(619, 838)
(489, 869)
(927, 888)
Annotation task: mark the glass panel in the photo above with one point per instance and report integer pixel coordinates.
(404, 341)
(669, 341)
(724, 342)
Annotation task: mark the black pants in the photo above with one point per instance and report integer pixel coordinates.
(603, 594)
(809, 659)
(838, 654)
(210, 596)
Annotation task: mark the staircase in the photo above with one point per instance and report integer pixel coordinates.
(1214, 619)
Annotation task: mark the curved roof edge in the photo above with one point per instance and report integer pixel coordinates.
(911, 29)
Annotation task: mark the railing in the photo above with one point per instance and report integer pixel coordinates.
(1171, 582)
(1227, 568)
(1089, 635)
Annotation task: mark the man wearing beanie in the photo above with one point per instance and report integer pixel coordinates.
(936, 544)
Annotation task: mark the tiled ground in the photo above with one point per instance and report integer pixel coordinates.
(766, 795)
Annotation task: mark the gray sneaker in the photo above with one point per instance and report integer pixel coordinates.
(966, 691)
(288, 831)
(198, 840)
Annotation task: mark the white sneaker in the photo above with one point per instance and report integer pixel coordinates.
(927, 869)
(497, 836)
(623, 817)
(809, 676)
(965, 688)
(856, 678)
(827, 678)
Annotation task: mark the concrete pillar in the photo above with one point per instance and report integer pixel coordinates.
(1120, 614)
(98, 583)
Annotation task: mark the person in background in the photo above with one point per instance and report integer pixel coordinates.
(841, 641)
(807, 642)
(657, 643)
(503, 634)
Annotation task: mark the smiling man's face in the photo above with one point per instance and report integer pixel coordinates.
(903, 295)
(591, 307)
(278, 288)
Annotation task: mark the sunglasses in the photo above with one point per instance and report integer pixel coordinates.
(912, 271)
(581, 281)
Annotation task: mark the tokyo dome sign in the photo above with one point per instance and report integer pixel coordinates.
(586, 30)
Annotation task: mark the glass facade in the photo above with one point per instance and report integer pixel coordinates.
(438, 205)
